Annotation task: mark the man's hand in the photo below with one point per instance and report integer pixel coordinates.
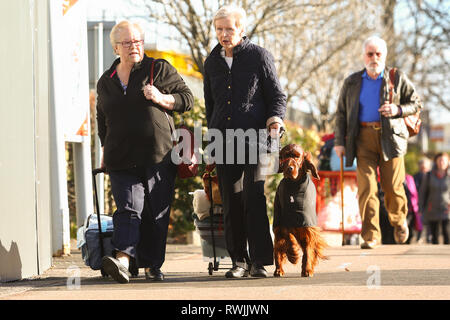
(389, 109)
(340, 151)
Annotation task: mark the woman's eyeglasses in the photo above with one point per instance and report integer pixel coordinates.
(127, 44)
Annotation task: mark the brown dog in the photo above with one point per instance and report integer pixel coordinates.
(295, 220)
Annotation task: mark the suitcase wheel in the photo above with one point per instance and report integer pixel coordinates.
(210, 268)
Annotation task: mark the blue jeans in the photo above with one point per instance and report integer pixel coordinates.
(141, 224)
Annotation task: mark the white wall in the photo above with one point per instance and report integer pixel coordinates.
(24, 166)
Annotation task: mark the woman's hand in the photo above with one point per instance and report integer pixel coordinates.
(274, 130)
(153, 94)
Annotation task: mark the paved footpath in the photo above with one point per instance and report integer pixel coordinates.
(405, 272)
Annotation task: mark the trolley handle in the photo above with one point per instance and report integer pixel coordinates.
(97, 207)
(98, 170)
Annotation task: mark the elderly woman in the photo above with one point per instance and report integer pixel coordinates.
(434, 197)
(134, 125)
(242, 92)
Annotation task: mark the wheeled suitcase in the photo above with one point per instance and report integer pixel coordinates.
(211, 232)
(94, 237)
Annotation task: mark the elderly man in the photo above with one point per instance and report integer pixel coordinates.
(242, 93)
(371, 129)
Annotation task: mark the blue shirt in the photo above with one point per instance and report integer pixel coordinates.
(369, 98)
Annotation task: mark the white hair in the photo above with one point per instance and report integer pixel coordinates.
(115, 31)
(231, 10)
(375, 40)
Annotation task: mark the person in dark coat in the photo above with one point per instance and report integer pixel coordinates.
(434, 197)
(134, 125)
(424, 168)
(242, 92)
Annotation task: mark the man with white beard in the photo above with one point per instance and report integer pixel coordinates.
(373, 130)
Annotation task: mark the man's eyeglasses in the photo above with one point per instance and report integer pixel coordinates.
(127, 44)
(370, 54)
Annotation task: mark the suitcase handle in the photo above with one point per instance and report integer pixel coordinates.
(98, 170)
(97, 207)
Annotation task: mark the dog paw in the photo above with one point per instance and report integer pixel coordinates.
(307, 274)
(278, 273)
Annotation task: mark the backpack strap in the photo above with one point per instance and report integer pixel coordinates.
(392, 73)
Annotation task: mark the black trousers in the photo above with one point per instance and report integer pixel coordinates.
(141, 224)
(434, 228)
(245, 213)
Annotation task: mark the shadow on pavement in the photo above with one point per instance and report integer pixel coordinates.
(411, 277)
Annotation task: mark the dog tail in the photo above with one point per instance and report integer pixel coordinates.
(293, 251)
(317, 243)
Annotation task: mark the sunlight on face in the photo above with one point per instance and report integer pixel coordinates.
(228, 34)
(128, 47)
(374, 58)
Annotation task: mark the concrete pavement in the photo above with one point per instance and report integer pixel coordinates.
(404, 272)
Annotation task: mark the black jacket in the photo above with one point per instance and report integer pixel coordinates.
(245, 96)
(133, 130)
(295, 204)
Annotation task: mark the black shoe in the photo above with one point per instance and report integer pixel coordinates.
(154, 274)
(115, 269)
(258, 271)
(133, 268)
(236, 272)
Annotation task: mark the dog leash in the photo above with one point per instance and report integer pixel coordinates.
(269, 140)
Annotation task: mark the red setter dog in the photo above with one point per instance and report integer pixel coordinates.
(295, 219)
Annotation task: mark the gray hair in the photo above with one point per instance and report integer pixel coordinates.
(425, 161)
(115, 31)
(375, 40)
(231, 10)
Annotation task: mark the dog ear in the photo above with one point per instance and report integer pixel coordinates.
(282, 155)
(309, 165)
(280, 165)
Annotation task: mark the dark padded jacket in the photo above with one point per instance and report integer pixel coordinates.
(394, 134)
(245, 96)
(295, 204)
(134, 131)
